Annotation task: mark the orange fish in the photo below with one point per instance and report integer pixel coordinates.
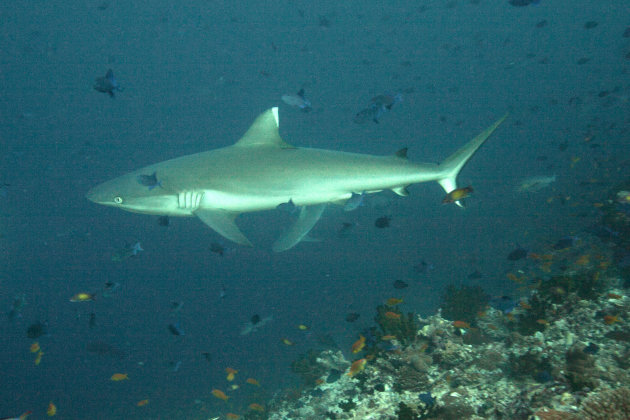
(524, 305)
(256, 407)
(51, 410)
(319, 381)
(461, 324)
(388, 337)
(542, 321)
(35, 347)
(357, 366)
(142, 403)
(252, 381)
(457, 194)
(220, 394)
(231, 373)
(614, 296)
(38, 359)
(611, 319)
(232, 416)
(358, 345)
(583, 260)
(116, 377)
(393, 301)
(392, 315)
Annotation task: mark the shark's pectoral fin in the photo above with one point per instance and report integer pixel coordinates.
(223, 223)
(309, 215)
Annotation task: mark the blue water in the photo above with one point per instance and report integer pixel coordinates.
(194, 78)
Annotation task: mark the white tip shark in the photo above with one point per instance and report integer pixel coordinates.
(261, 172)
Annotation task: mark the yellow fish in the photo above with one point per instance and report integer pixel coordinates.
(83, 297)
(38, 359)
(119, 377)
(51, 410)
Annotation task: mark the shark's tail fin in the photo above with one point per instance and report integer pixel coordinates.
(454, 163)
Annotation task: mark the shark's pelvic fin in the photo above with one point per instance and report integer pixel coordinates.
(223, 223)
(454, 163)
(264, 132)
(309, 215)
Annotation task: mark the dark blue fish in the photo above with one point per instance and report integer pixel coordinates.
(150, 181)
(399, 284)
(505, 304)
(355, 201)
(522, 3)
(427, 398)
(518, 254)
(175, 329)
(564, 243)
(36, 330)
(107, 84)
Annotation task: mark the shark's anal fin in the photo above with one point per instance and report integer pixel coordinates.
(223, 223)
(309, 215)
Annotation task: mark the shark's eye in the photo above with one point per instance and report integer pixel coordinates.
(118, 200)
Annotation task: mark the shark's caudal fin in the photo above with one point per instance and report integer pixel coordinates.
(454, 163)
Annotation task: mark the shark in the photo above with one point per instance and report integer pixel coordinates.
(262, 172)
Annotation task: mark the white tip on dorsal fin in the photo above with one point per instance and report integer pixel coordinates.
(264, 131)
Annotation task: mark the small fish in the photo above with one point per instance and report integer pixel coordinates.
(461, 324)
(92, 321)
(256, 407)
(217, 248)
(287, 342)
(522, 3)
(394, 301)
(535, 183)
(51, 410)
(611, 319)
(354, 202)
(382, 222)
(163, 221)
(345, 229)
(377, 106)
(352, 316)
(288, 207)
(231, 373)
(504, 303)
(298, 100)
(392, 315)
(175, 329)
(399, 284)
(127, 252)
(107, 84)
(303, 327)
(220, 394)
(23, 416)
(35, 347)
(83, 297)
(232, 416)
(117, 377)
(388, 337)
(255, 319)
(38, 359)
(36, 330)
(423, 267)
(149, 181)
(564, 243)
(252, 381)
(176, 307)
(359, 344)
(206, 355)
(357, 366)
(142, 403)
(456, 195)
(19, 302)
(518, 254)
(174, 365)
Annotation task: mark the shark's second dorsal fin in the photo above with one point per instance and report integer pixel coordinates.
(264, 132)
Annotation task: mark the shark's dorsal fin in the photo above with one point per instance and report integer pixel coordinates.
(264, 132)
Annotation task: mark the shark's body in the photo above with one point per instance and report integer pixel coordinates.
(261, 172)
